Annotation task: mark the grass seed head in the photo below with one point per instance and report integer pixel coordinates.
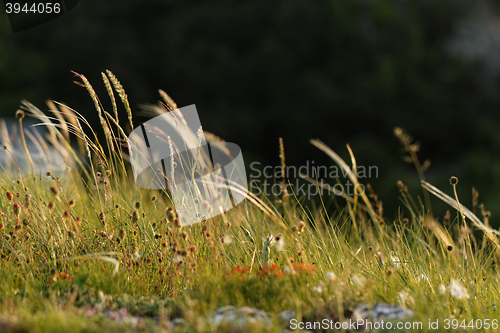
(17, 209)
(54, 190)
(20, 114)
(135, 216)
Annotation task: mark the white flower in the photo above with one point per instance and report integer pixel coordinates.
(318, 289)
(330, 276)
(457, 290)
(227, 239)
(280, 242)
(418, 279)
(442, 289)
(405, 298)
(396, 262)
(177, 260)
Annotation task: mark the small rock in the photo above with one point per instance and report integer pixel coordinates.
(240, 317)
(380, 311)
(286, 316)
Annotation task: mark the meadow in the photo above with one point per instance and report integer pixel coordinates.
(86, 250)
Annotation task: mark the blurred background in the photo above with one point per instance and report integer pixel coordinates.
(341, 71)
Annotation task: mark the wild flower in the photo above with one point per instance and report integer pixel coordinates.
(54, 190)
(318, 289)
(405, 298)
(135, 216)
(280, 242)
(421, 278)
(227, 239)
(17, 209)
(396, 262)
(240, 272)
(442, 289)
(273, 270)
(303, 268)
(20, 114)
(59, 277)
(177, 260)
(457, 290)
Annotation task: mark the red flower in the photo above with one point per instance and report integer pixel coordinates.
(60, 276)
(239, 271)
(304, 268)
(271, 270)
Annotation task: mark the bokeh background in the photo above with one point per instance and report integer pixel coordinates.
(341, 71)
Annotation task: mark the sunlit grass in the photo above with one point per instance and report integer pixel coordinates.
(78, 245)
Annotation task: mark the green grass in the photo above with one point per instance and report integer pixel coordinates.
(78, 245)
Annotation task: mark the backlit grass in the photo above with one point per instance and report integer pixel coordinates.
(80, 245)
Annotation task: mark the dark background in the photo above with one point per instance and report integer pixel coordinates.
(341, 71)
